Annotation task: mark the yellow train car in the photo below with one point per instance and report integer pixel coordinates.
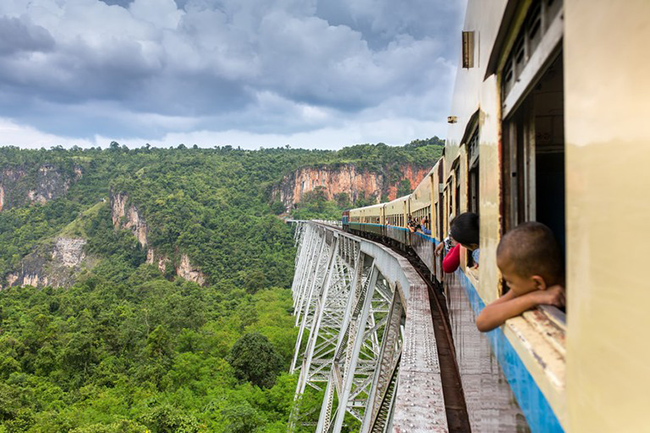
(423, 241)
(439, 228)
(369, 219)
(546, 125)
(547, 102)
(397, 216)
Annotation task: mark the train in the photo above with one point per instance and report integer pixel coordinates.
(546, 124)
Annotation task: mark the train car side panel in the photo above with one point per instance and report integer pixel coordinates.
(476, 108)
(421, 206)
(396, 219)
(607, 157)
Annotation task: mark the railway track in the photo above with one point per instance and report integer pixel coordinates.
(455, 407)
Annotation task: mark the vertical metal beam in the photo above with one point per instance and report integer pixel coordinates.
(358, 340)
(326, 408)
(388, 360)
(310, 274)
(318, 317)
(305, 301)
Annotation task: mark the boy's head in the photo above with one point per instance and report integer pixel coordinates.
(465, 230)
(529, 258)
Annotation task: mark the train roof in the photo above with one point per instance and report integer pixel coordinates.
(357, 209)
(400, 199)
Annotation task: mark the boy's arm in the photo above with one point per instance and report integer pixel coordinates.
(509, 305)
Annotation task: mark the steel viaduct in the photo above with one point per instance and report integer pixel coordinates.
(366, 337)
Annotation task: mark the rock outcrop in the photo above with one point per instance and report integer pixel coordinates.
(127, 216)
(55, 264)
(21, 186)
(346, 178)
(184, 269)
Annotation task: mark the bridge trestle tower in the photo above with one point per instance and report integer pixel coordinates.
(366, 338)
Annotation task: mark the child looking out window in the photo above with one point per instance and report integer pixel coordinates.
(531, 264)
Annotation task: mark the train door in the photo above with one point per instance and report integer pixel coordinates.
(533, 126)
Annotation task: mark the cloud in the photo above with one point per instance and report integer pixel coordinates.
(154, 68)
(17, 36)
(14, 134)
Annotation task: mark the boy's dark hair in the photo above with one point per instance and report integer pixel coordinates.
(465, 228)
(533, 250)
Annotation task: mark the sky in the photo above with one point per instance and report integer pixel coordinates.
(252, 73)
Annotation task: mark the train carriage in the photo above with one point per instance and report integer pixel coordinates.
(368, 219)
(545, 125)
(423, 242)
(397, 214)
(439, 230)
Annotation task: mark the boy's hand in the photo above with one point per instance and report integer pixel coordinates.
(554, 295)
(439, 248)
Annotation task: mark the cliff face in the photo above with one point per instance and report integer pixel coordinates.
(56, 264)
(20, 186)
(127, 216)
(346, 179)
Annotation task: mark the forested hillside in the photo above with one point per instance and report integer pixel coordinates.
(162, 301)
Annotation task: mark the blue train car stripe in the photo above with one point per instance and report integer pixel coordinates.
(428, 238)
(422, 235)
(531, 400)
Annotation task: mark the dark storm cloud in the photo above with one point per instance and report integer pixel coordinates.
(381, 22)
(151, 66)
(17, 36)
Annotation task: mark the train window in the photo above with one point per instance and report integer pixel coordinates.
(533, 26)
(457, 190)
(539, 18)
(508, 78)
(472, 169)
(437, 227)
(533, 162)
(551, 9)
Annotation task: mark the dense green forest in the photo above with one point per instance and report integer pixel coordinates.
(128, 348)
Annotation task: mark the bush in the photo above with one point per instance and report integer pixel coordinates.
(255, 360)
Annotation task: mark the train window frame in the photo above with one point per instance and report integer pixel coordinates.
(525, 162)
(528, 57)
(527, 153)
(440, 205)
(454, 188)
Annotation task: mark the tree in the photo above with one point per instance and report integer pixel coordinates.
(404, 188)
(255, 360)
(168, 419)
(242, 418)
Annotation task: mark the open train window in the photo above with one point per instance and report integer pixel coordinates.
(473, 173)
(533, 162)
(457, 189)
